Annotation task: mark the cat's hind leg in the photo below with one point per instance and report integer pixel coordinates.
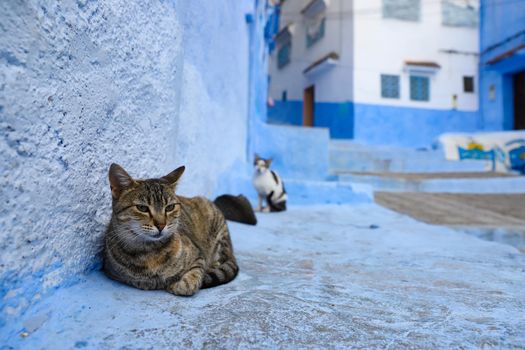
(259, 203)
(268, 207)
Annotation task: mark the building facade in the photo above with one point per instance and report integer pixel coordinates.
(395, 72)
(502, 65)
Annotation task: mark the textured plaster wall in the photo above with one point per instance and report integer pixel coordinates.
(213, 124)
(149, 85)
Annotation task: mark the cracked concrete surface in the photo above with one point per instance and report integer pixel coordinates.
(314, 277)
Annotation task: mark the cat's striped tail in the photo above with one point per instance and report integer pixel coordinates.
(222, 274)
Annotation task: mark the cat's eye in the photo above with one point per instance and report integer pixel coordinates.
(170, 207)
(142, 208)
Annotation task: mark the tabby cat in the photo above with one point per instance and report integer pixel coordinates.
(159, 240)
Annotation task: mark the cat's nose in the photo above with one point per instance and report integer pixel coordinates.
(160, 227)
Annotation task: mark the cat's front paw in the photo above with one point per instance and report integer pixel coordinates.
(266, 210)
(188, 285)
(258, 208)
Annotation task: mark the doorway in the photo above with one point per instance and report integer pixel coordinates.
(519, 100)
(308, 106)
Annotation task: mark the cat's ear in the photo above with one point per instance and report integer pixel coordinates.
(173, 177)
(256, 158)
(268, 162)
(119, 180)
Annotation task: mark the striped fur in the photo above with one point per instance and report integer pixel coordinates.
(159, 240)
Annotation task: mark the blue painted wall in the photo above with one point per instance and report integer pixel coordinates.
(502, 28)
(410, 127)
(298, 153)
(378, 124)
(286, 112)
(338, 117)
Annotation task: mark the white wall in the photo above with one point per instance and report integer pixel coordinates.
(382, 46)
(334, 84)
(368, 46)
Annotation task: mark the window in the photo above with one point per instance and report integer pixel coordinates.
(315, 30)
(468, 84)
(389, 86)
(460, 13)
(284, 96)
(492, 92)
(404, 10)
(283, 54)
(419, 88)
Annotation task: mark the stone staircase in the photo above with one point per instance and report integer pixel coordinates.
(351, 157)
(301, 157)
(317, 170)
(397, 169)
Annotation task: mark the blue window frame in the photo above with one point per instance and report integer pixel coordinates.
(419, 88)
(404, 10)
(390, 86)
(283, 54)
(315, 32)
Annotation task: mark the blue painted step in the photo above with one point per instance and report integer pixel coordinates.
(304, 192)
(346, 156)
(504, 184)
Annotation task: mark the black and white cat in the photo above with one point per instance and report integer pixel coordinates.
(269, 186)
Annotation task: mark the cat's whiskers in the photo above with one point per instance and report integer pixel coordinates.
(119, 241)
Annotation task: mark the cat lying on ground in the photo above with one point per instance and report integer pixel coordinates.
(236, 208)
(159, 240)
(269, 186)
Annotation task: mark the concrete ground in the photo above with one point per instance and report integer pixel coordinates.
(497, 210)
(495, 217)
(326, 276)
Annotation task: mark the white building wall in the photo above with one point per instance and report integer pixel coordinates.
(370, 45)
(334, 84)
(383, 45)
